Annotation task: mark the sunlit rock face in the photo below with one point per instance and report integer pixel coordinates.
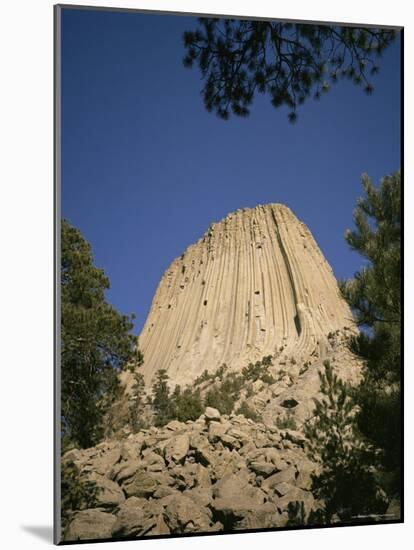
(255, 284)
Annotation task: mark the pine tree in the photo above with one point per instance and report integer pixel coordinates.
(186, 404)
(161, 400)
(374, 295)
(96, 342)
(137, 402)
(288, 61)
(346, 483)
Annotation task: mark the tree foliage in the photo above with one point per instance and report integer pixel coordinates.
(76, 493)
(287, 61)
(161, 399)
(179, 405)
(374, 295)
(137, 403)
(96, 342)
(346, 482)
(186, 404)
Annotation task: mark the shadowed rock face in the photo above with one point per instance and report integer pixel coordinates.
(255, 283)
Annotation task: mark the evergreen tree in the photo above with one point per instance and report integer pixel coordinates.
(374, 295)
(346, 483)
(137, 402)
(161, 400)
(77, 493)
(186, 404)
(96, 342)
(288, 61)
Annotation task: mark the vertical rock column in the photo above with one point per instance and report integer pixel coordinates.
(254, 283)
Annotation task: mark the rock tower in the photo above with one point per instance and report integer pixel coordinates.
(255, 284)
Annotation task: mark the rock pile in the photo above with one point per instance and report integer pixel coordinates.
(218, 473)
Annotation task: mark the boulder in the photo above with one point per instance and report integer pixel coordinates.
(216, 431)
(104, 463)
(283, 488)
(176, 450)
(203, 496)
(265, 516)
(225, 463)
(90, 524)
(141, 484)
(296, 495)
(184, 515)
(125, 470)
(230, 442)
(202, 450)
(130, 518)
(211, 414)
(202, 476)
(262, 468)
(294, 436)
(108, 494)
(287, 475)
(234, 496)
(175, 425)
(164, 491)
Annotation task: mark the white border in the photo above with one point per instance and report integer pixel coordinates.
(26, 283)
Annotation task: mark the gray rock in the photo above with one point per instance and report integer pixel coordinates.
(176, 450)
(283, 488)
(203, 496)
(233, 495)
(90, 524)
(287, 475)
(164, 491)
(104, 463)
(216, 430)
(184, 515)
(175, 425)
(201, 446)
(108, 493)
(265, 516)
(130, 518)
(125, 470)
(262, 468)
(141, 484)
(211, 414)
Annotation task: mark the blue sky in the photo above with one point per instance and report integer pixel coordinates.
(145, 168)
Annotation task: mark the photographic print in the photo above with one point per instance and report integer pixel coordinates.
(228, 274)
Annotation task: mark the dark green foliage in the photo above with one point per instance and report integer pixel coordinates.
(224, 396)
(136, 361)
(161, 400)
(374, 295)
(286, 422)
(347, 483)
(76, 494)
(221, 371)
(186, 404)
(204, 376)
(179, 405)
(96, 342)
(288, 61)
(267, 361)
(259, 371)
(137, 403)
(248, 412)
(220, 400)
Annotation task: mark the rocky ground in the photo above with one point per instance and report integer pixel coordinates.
(218, 473)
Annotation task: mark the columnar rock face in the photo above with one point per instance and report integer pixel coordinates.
(255, 284)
